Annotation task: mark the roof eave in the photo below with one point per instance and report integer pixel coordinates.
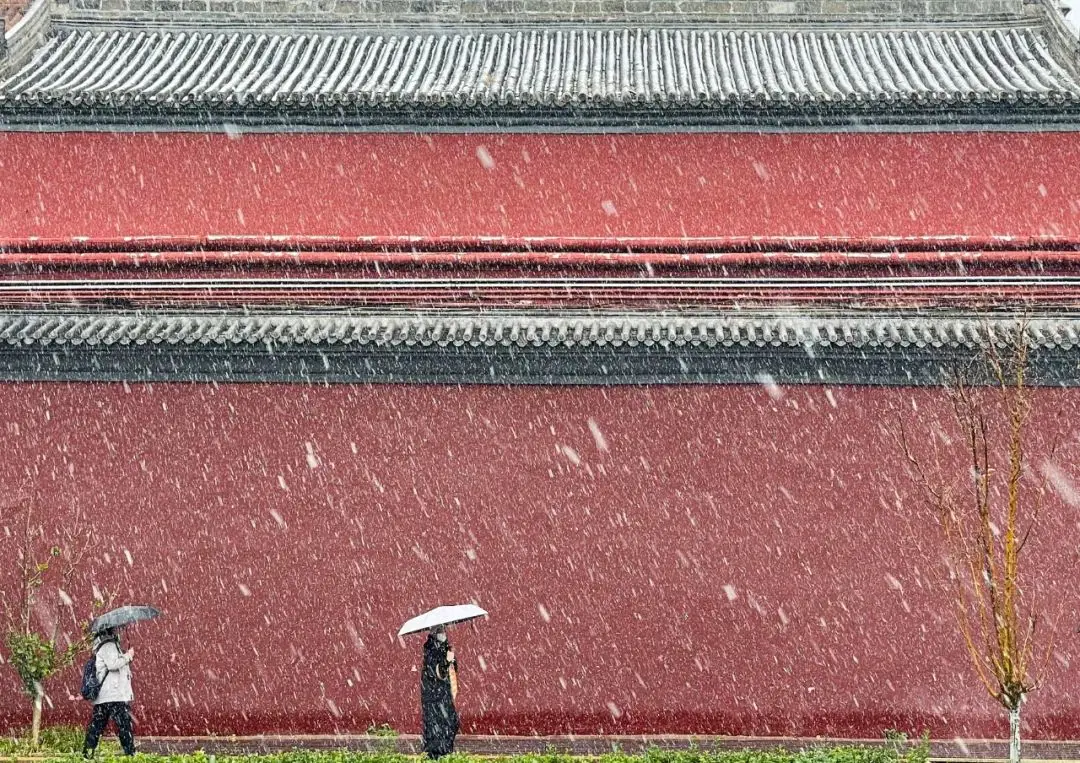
(1061, 40)
(905, 107)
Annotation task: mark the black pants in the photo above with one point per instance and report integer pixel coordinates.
(119, 712)
(440, 727)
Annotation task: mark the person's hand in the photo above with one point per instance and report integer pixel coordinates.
(450, 657)
(130, 654)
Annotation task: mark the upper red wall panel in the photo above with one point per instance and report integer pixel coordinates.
(856, 187)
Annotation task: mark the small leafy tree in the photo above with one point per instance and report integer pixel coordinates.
(45, 576)
(987, 522)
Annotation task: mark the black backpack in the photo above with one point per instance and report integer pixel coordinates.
(91, 686)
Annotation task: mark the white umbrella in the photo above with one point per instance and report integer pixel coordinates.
(458, 613)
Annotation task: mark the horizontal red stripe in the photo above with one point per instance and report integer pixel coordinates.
(275, 256)
(648, 294)
(928, 247)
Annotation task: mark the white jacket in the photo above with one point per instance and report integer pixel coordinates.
(116, 682)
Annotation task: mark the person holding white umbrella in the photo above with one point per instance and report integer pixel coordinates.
(438, 690)
(438, 678)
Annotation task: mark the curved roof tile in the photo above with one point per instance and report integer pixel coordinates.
(546, 68)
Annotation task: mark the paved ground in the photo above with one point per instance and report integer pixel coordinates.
(966, 750)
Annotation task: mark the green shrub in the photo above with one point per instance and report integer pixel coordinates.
(55, 740)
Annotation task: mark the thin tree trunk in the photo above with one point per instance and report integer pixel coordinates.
(35, 728)
(1014, 732)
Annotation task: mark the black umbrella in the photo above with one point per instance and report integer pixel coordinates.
(122, 616)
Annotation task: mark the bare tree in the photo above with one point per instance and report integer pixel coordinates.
(987, 517)
(46, 574)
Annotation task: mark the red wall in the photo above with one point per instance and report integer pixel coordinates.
(857, 187)
(602, 559)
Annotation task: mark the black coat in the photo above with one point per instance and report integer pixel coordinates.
(436, 700)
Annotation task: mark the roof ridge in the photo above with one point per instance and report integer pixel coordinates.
(25, 36)
(295, 25)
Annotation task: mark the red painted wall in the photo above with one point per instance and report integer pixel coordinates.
(859, 187)
(710, 559)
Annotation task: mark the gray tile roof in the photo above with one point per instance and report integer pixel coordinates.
(523, 329)
(654, 68)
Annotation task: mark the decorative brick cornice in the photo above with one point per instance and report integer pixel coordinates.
(515, 347)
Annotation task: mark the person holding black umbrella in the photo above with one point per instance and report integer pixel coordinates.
(115, 695)
(109, 671)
